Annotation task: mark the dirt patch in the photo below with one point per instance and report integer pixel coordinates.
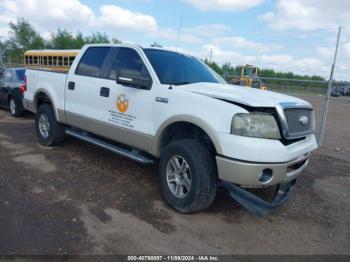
(36, 161)
(29, 224)
(79, 199)
(323, 166)
(15, 149)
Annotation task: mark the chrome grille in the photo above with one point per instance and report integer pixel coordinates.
(299, 122)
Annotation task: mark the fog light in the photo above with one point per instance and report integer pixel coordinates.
(266, 175)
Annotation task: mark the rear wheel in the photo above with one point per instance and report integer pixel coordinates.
(188, 175)
(14, 107)
(49, 131)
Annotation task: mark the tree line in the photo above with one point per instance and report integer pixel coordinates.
(22, 37)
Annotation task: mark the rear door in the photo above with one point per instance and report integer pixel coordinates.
(83, 101)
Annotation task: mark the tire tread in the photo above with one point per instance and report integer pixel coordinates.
(206, 167)
(57, 130)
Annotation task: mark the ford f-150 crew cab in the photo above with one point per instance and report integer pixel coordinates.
(148, 104)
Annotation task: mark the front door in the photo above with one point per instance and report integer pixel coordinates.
(128, 107)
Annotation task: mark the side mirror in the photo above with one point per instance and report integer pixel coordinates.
(133, 79)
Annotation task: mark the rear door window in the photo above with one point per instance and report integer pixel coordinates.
(8, 75)
(92, 62)
(20, 74)
(127, 61)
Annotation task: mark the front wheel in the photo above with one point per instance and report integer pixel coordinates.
(188, 175)
(49, 131)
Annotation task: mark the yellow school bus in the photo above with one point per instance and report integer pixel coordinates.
(55, 60)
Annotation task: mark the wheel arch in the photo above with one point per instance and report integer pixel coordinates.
(185, 121)
(11, 93)
(42, 96)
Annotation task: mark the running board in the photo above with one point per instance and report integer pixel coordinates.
(131, 154)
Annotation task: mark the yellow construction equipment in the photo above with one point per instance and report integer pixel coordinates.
(249, 77)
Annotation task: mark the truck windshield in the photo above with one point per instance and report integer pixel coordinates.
(249, 71)
(180, 69)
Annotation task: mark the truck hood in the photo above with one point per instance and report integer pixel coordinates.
(242, 95)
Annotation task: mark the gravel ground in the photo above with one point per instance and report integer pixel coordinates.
(80, 199)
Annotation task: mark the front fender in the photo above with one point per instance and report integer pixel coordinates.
(187, 119)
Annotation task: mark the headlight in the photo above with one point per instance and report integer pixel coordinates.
(255, 125)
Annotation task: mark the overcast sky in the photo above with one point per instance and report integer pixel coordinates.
(287, 35)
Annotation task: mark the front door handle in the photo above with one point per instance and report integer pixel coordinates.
(104, 92)
(71, 85)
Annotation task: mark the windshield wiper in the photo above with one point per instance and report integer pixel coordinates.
(180, 83)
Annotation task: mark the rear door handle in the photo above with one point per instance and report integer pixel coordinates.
(104, 92)
(71, 85)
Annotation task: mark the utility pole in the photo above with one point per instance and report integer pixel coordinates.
(329, 89)
(178, 33)
(1, 61)
(211, 55)
(1, 54)
(1, 57)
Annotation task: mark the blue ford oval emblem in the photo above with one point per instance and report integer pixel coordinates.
(304, 120)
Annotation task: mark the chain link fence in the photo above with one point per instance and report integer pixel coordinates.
(289, 86)
(9, 63)
(13, 62)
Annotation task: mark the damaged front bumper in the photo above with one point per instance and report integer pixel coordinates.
(253, 203)
(254, 174)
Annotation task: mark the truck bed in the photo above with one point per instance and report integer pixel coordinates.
(52, 82)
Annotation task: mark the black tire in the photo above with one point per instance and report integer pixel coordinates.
(15, 107)
(203, 173)
(56, 132)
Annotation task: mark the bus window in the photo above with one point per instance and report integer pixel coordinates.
(35, 60)
(60, 61)
(65, 61)
(54, 60)
(71, 59)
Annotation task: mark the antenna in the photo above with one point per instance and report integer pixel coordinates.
(178, 34)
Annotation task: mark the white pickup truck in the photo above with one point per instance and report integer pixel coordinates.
(148, 104)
